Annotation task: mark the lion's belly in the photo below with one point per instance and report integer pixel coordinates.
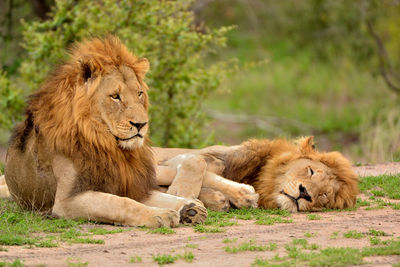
(30, 177)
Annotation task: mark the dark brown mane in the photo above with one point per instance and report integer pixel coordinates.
(61, 112)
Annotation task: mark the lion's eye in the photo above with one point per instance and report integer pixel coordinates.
(310, 171)
(140, 93)
(116, 97)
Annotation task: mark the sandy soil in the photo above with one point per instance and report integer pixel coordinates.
(118, 248)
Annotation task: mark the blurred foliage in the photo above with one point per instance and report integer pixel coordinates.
(380, 134)
(11, 103)
(162, 31)
(324, 71)
(324, 75)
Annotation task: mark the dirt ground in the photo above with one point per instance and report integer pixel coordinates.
(119, 248)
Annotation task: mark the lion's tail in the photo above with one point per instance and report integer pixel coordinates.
(4, 192)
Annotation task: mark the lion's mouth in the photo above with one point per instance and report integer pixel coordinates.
(303, 194)
(138, 135)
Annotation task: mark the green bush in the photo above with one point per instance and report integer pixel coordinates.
(162, 31)
(11, 102)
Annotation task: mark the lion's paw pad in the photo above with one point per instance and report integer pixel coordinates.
(193, 212)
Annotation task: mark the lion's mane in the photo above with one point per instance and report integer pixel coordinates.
(262, 161)
(60, 112)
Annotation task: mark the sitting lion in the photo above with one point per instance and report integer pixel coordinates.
(83, 151)
(288, 175)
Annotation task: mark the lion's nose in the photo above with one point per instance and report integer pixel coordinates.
(304, 194)
(138, 125)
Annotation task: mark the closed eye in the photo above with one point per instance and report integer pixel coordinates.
(310, 171)
(140, 93)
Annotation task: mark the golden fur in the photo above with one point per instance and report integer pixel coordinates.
(277, 169)
(83, 151)
(276, 155)
(62, 113)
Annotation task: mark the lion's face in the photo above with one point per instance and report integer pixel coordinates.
(306, 185)
(120, 104)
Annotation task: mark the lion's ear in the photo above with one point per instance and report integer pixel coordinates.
(87, 69)
(306, 143)
(141, 67)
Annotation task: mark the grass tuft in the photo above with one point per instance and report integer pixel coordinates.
(16, 263)
(163, 230)
(135, 259)
(383, 185)
(353, 234)
(200, 228)
(313, 217)
(251, 246)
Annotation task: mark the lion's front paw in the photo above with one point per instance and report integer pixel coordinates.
(193, 212)
(214, 200)
(163, 217)
(243, 196)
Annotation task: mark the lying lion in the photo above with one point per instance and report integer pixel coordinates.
(288, 175)
(83, 151)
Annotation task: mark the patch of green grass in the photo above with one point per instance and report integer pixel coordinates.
(374, 240)
(82, 240)
(261, 217)
(187, 256)
(395, 206)
(76, 263)
(304, 244)
(163, 230)
(391, 248)
(227, 240)
(389, 185)
(135, 259)
(251, 246)
(378, 193)
(313, 217)
(308, 234)
(329, 256)
(165, 259)
(374, 232)
(334, 257)
(19, 227)
(2, 165)
(3, 248)
(266, 263)
(16, 263)
(47, 244)
(270, 220)
(353, 234)
(300, 241)
(102, 231)
(334, 235)
(200, 228)
(192, 246)
(362, 203)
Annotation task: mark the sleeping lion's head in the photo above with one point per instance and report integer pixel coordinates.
(299, 178)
